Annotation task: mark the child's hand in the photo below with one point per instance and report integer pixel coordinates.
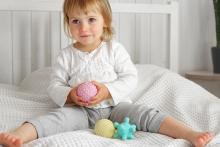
(76, 99)
(101, 95)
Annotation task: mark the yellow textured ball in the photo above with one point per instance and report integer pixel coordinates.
(104, 128)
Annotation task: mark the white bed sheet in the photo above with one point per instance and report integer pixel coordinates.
(157, 87)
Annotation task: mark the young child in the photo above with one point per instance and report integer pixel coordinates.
(94, 56)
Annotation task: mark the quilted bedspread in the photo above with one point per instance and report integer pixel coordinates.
(157, 87)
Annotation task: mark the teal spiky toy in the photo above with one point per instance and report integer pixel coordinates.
(124, 130)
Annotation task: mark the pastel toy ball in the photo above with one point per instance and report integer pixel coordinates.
(86, 91)
(104, 128)
(124, 130)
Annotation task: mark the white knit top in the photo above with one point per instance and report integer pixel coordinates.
(109, 64)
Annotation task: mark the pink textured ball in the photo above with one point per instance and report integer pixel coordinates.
(86, 91)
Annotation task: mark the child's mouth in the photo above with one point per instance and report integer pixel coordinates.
(84, 36)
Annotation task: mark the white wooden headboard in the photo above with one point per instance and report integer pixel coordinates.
(32, 34)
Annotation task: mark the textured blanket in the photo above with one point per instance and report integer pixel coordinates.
(157, 87)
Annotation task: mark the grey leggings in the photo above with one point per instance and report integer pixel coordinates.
(75, 118)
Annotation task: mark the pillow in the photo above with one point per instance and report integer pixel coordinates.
(37, 82)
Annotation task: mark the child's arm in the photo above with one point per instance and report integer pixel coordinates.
(126, 74)
(59, 88)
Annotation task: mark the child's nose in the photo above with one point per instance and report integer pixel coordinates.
(83, 27)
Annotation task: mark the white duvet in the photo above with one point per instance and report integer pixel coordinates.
(157, 87)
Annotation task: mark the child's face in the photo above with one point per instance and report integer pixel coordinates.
(86, 28)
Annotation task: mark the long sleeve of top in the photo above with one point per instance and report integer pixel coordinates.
(109, 64)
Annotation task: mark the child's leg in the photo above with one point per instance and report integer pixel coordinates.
(60, 120)
(145, 118)
(176, 129)
(149, 119)
(22, 134)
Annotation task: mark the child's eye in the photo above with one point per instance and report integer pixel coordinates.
(92, 20)
(75, 21)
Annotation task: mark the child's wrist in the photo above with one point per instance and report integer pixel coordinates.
(69, 99)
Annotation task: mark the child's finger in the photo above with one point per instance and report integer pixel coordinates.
(82, 103)
(94, 100)
(82, 100)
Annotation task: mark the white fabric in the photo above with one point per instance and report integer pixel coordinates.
(157, 87)
(109, 64)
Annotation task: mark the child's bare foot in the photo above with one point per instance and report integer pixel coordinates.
(10, 140)
(200, 139)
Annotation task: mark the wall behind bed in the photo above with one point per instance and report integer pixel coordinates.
(29, 40)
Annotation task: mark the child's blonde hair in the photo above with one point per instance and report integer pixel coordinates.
(102, 6)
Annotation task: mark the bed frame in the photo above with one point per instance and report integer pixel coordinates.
(15, 73)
